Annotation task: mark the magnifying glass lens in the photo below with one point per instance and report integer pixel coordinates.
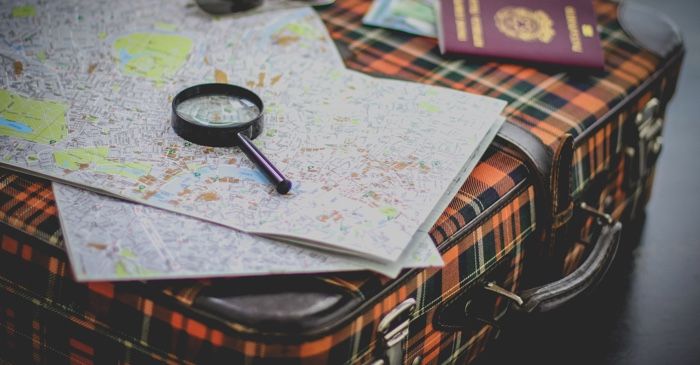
(218, 110)
(223, 115)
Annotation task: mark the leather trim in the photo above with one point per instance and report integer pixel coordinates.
(551, 296)
(296, 304)
(538, 160)
(560, 175)
(551, 171)
(562, 203)
(564, 216)
(649, 28)
(539, 156)
(484, 215)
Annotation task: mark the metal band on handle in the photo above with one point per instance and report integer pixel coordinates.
(393, 329)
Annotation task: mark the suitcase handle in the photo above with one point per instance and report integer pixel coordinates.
(473, 307)
(553, 295)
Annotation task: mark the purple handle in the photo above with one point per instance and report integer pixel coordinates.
(273, 174)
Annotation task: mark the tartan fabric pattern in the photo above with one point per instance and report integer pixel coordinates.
(547, 103)
(29, 207)
(616, 197)
(46, 317)
(496, 175)
(145, 322)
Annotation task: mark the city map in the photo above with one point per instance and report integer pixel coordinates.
(150, 243)
(85, 100)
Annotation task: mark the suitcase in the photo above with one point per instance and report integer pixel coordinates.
(535, 225)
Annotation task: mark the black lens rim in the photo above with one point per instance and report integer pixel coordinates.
(216, 136)
(218, 7)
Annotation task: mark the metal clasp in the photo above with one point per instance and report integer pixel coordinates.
(607, 218)
(494, 288)
(649, 126)
(392, 329)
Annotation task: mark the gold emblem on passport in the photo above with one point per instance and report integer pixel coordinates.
(525, 24)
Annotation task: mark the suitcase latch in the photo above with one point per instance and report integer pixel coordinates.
(392, 330)
(649, 125)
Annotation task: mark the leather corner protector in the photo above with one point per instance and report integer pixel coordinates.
(651, 29)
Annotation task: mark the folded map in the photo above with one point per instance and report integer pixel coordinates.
(88, 103)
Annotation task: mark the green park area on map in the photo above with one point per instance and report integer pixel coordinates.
(155, 56)
(95, 159)
(33, 120)
(23, 11)
(87, 103)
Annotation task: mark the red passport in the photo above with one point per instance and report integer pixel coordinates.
(561, 32)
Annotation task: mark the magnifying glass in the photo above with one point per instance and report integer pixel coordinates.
(227, 6)
(224, 115)
(218, 7)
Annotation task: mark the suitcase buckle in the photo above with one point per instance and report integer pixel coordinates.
(392, 329)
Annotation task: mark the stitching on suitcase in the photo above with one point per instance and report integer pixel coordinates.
(489, 263)
(454, 355)
(510, 248)
(12, 222)
(431, 305)
(51, 348)
(461, 233)
(342, 284)
(105, 329)
(22, 334)
(607, 163)
(489, 266)
(426, 308)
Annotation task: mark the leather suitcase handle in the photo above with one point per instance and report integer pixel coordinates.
(476, 306)
(553, 295)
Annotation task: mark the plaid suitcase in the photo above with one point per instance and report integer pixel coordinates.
(541, 211)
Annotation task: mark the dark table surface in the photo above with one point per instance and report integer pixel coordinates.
(648, 309)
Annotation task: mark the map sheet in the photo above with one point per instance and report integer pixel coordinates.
(410, 16)
(85, 99)
(147, 243)
(140, 247)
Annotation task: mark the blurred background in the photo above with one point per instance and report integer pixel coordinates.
(648, 309)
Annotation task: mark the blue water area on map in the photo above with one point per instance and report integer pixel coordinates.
(170, 190)
(125, 57)
(17, 126)
(243, 173)
(163, 196)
